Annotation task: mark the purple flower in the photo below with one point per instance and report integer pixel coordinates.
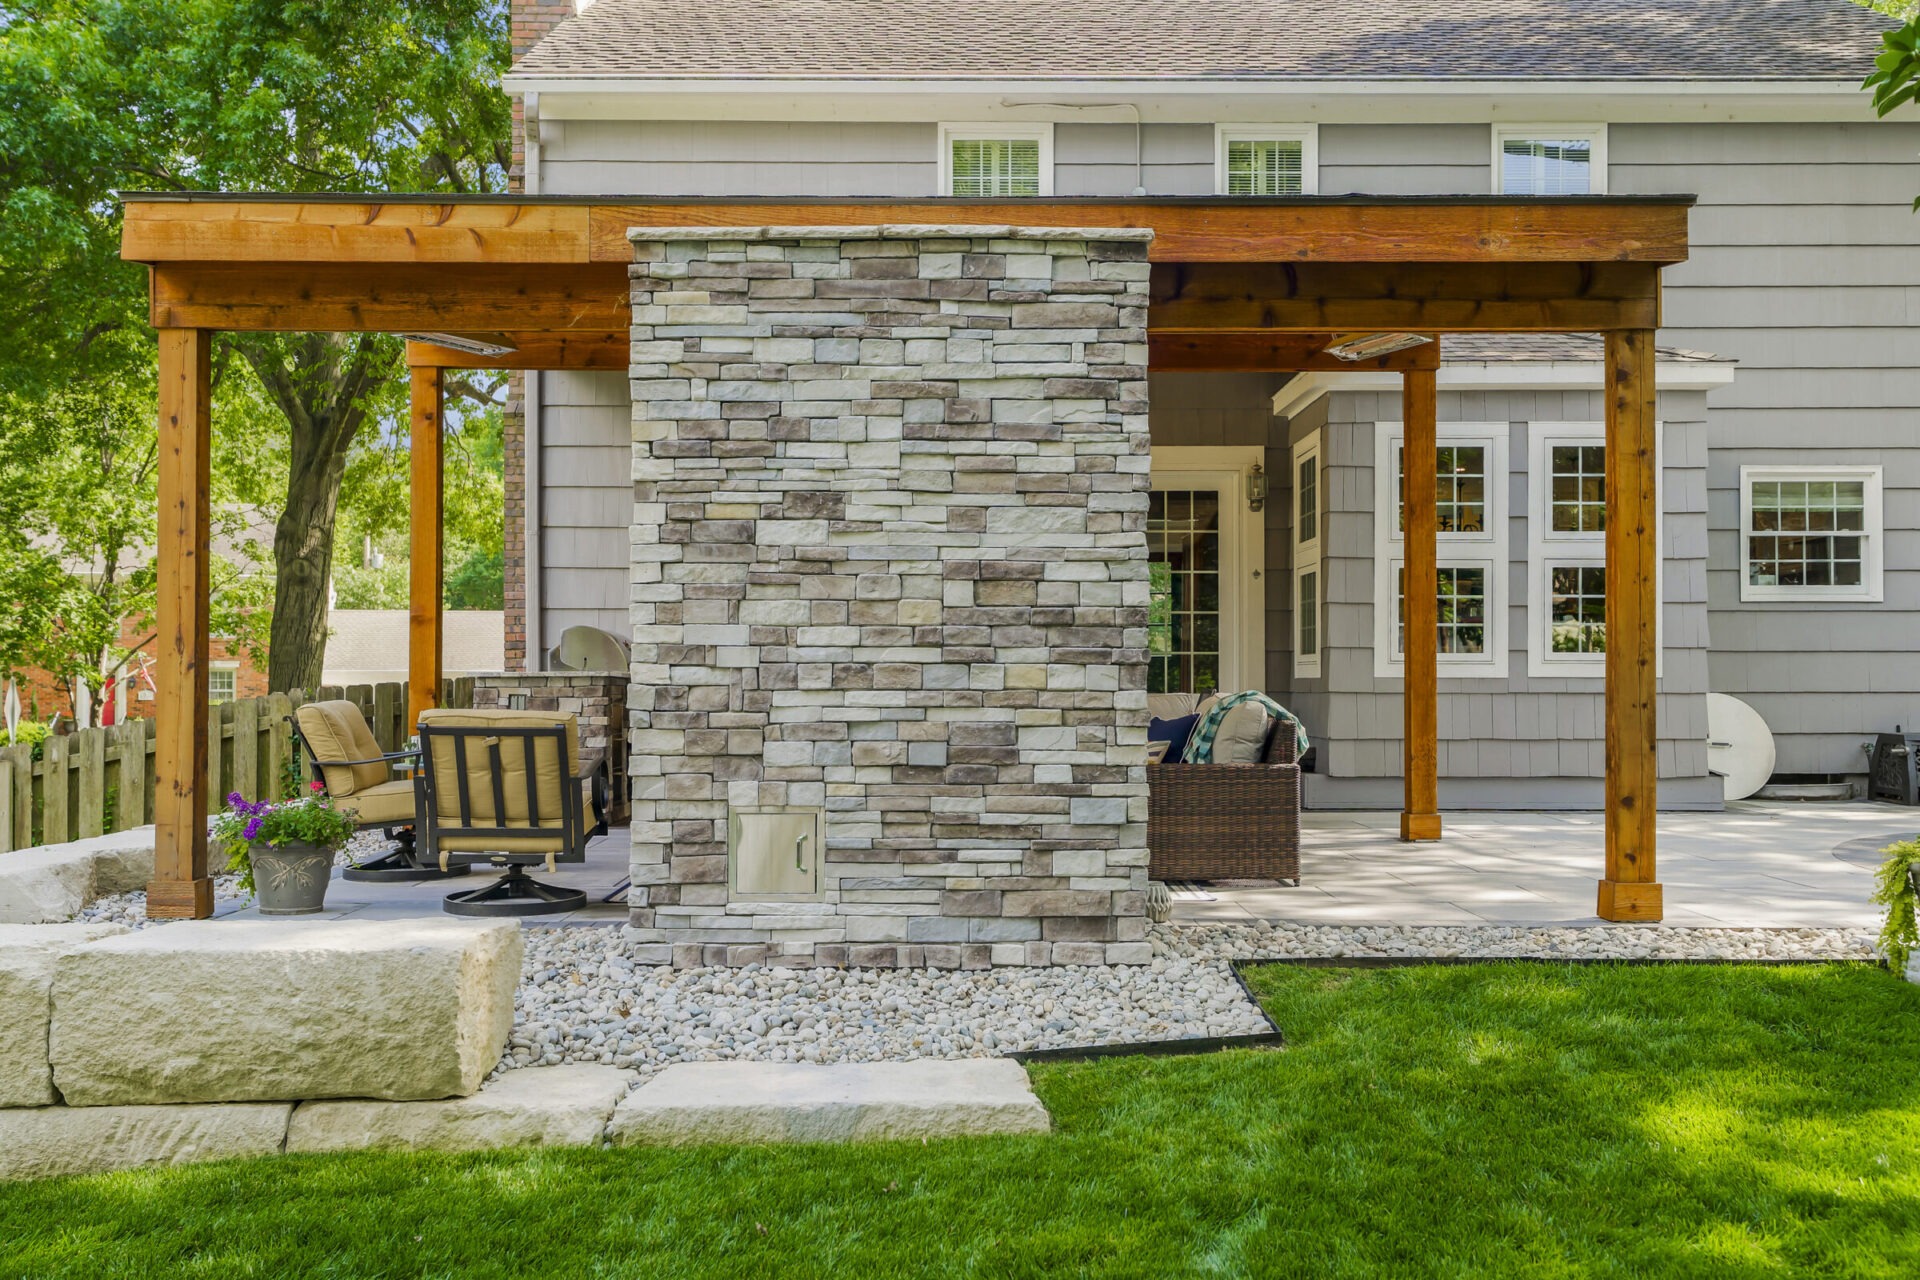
(237, 800)
(253, 829)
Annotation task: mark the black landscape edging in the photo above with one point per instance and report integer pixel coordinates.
(1411, 962)
(1272, 1039)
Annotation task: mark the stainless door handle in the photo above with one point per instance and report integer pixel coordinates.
(800, 853)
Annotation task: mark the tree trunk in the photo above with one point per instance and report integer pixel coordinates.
(320, 383)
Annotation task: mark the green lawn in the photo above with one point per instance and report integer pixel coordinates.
(1456, 1121)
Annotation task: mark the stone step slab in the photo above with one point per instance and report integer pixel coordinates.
(566, 1106)
(64, 1142)
(284, 1010)
(758, 1102)
(49, 884)
(26, 1004)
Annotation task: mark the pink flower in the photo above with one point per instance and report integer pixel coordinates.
(317, 785)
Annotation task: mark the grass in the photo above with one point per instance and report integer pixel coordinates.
(1475, 1121)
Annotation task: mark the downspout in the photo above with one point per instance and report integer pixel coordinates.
(531, 417)
(1139, 142)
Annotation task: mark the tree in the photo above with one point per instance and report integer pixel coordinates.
(1895, 81)
(284, 95)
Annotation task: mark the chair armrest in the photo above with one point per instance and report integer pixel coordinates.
(591, 762)
(380, 759)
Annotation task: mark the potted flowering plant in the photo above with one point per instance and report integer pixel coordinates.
(283, 852)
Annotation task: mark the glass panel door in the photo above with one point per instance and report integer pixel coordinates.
(1184, 630)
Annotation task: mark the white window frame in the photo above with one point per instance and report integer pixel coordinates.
(1243, 549)
(1872, 588)
(1486, 549)
(232, 668)
(1306, 554)
(1309, 447)
(1548, 548)
(1307, 666)
(1040, 131)
(1594, 133)
(1307, 135)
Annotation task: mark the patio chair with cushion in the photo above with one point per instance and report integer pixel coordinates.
(511, 788)
(1236, 818)
(358, 778)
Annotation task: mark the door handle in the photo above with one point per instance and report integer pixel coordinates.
(800, 853)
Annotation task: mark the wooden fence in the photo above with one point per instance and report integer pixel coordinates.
(100, 780)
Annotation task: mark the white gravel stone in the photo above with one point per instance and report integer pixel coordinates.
(130, 908)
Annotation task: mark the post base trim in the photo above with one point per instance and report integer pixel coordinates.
(1419, 826)
(180, 899)
(1631, 901)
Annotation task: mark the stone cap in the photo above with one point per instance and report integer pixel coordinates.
(891, 231)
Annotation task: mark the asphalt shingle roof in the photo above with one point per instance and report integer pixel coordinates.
(1230, 40)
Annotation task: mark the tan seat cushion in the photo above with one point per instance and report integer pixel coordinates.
(1171, 706)
(387, 805)
(550, 772)
(338, 732)
(1242, 735)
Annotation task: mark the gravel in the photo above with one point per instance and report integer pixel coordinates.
(130, 909)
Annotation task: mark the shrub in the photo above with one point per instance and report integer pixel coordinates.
(1900, 935)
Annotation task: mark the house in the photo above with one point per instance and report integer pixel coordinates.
(369, 646)
(913, 392)
(1803, 284)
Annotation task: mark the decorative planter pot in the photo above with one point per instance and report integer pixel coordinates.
(291, 880)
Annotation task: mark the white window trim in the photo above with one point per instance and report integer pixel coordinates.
(1595, 133)
(1041, 131)
(1243, 554)
(1486, 550)
(1307, 135)
(1872, 588)
(1547, 548)
(222, 665)
(1309, 447)
(1307, 667)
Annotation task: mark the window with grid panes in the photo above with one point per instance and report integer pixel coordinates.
(1579, 488)
(995, 166)
(222, 683)
(1310, 614)
(1459, 488)
(1807, 533)
(1577, 608)
(1462, 610)
(1309, 498)
(1183, 611)
(1257, 167)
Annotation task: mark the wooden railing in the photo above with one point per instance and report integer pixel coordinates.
(101, 780)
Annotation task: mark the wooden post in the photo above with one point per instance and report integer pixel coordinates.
(1420, 818)
(426, 574)
(1630, 891)
(180, 887)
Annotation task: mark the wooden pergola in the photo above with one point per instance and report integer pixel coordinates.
(1251, 285)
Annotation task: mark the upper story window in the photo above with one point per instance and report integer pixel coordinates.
(1266, 160)
(1550, 160)
(1810, 533)
(996, 160)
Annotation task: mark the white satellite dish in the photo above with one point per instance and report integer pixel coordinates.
(1739, 746)
(588, 649)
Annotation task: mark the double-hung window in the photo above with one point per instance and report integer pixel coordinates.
(1309, 594)
(1550, 160)
(223, 681)
(1567, 549)
(1469, 488)
(1266, 160)
(1810, 533)
(996, 160)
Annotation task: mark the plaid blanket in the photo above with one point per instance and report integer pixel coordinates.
(1200, 744)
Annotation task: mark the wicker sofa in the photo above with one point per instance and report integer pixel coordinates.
(1224, 821)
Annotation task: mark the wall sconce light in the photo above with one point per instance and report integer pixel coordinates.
(1257, 488)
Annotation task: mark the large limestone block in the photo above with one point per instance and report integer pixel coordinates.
(784, 1102)
(258, 1010)
(532, 1107)
(62, 1142)
(50, 883)
(26, 1004)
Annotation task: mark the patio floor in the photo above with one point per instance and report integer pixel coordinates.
(1758, 864)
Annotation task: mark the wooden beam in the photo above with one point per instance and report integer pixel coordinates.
(1235, 351)
(1418, 297)
(181, 888)
(393, 298)
(1187, 229)
(1630, 890)
(534, 351)
(1420, 746)
(218, 230)
(1236, 230)
(426, 574)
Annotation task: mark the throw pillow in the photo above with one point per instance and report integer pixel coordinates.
(1172, 732)
(1243, 735)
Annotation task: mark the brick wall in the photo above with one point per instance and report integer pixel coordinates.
(598, 700)
(890, 563)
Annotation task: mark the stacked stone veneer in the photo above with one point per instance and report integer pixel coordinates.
(596, 699)
(889, 560)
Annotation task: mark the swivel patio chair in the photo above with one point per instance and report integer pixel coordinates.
(510, 788)
(358, 778)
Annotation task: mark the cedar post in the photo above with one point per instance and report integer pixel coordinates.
(1630, 891)
(1420, 818)
(426, 572)
(180, 888)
